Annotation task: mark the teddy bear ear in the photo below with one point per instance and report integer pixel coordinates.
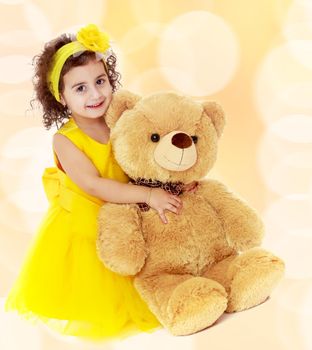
(216, 113)
(121, 101)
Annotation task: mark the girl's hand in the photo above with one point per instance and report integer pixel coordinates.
(191, 187)
(161, 200)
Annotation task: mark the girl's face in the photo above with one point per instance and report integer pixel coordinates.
(87, 90)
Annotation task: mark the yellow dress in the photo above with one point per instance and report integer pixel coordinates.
(62, 281)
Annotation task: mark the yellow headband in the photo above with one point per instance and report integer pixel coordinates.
(88, 38)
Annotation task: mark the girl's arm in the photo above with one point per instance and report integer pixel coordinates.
(83, 172)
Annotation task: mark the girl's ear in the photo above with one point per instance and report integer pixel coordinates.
(121, 101)
(216, 114)
(62, 100)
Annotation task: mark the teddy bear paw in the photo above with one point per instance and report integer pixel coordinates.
(195, 304)
(251, 289)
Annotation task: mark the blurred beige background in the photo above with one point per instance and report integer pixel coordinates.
(252, 56)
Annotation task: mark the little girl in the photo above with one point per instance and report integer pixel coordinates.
(62, 282)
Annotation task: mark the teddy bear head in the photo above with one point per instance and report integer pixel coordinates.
(165, 136)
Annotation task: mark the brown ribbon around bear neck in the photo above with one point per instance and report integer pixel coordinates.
(175, 188)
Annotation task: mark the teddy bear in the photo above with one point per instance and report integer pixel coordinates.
(205, 261)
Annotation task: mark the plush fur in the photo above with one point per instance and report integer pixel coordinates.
(205, 261)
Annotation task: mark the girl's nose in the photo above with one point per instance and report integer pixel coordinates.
(95, 92)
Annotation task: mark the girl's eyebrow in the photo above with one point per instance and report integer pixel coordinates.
(101, 75)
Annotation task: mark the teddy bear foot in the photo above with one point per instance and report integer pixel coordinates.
(194, 305)
(251, 290)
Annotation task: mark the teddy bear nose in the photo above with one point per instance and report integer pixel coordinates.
(181, 140)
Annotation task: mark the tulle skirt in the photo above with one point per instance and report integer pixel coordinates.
(64, 284)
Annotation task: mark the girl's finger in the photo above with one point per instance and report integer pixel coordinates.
(176, 199)
(175, 203)
(163, 217)
(172, 208)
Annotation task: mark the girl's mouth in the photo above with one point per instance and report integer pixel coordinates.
(96, 105)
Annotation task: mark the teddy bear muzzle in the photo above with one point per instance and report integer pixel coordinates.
(175, 151)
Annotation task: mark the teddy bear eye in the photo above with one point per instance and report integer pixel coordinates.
(155, 137)
(195, 138)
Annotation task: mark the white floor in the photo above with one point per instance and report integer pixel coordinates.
(282, 322)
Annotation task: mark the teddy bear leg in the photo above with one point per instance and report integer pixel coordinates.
(248, 278)
(182, 303)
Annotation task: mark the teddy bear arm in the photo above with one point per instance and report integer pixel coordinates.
(243, 226)
(120, 243)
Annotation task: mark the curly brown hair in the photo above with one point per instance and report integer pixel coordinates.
(54, 111)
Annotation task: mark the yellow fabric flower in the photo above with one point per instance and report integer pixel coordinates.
(88, 38)
(93, 39)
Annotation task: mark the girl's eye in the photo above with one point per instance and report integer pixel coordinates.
(80, 88)
(101, 81)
